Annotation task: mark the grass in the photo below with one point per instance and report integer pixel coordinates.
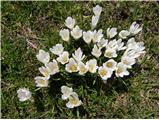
(135, 96)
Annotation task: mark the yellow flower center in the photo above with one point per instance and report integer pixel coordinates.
(126, 62)
(65, 59)
(82, 69)
(109, 64)
(43, 82)
(119, 70)
(103, 73)
(109, 54)
(73, 100)
(91, 66)
(73, 68)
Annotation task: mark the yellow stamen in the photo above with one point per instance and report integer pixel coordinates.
(109, 64)
(103, 73)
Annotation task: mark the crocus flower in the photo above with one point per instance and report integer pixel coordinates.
(135, 28)
(120, 45)
(44, 71)
(121, 70)
(72, 66)
(43, 56)
(41, 81)
(78, 55)
(24, 94)
(110, 53)
(128, 61)
(95, 20)
(73, 101)
(70, 22)
(111, 32)
(104, 73)
(76, 32)
(110, 64)
(57, 49)
(96, 51)
(63, 58)
(124, 34)
(87, 36)
(64, 33)
(102, 43)
(92, 65)
(97, 10)
(82, 68)
(53, 67)
(66, 92)
(97, 36)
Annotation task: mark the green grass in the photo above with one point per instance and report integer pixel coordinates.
(135, 96)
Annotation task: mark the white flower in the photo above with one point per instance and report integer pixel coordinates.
(66, 92)
(70, 22)
(110, 64)
(64, 33)
(94, 21)
(53, 67)
(121, 70)
(82, 68)
(24, 94)
(57, 49)
(44, 71)
(120, 45)
(92, 65)
(102, 43)
(104, 73)
(111, 32)
(128, 61)
(97, 10)
(71, 66)
(76, 32)
(123, 34)
(110, 53)
(63, 58)
(41, 81)
(112, 45)
(96, 51)
(78, 55)
(134, 49)
(97, 36)
(87, 36)
(73, 101)
(43, 56)
(135, 28)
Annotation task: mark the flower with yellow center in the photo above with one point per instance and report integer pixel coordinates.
(104, 73)
(110, 64)
(41, 81)
(53, 67)
(128, 61)
(121, 70)
(92, 65)
(110, 53)
(82, 68)
(63, 58)
(72, 66)
(44, 71)
(73, 101)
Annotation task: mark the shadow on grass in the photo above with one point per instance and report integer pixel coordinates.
(39, 101)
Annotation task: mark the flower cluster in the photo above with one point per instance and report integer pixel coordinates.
(103, 46)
